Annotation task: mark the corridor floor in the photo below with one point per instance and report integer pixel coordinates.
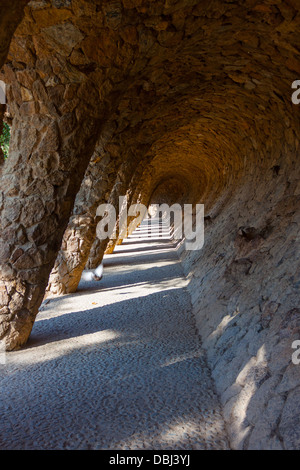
(118, 365)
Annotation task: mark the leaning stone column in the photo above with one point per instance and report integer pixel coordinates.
(81, 231)
(129, 189)
(120, 189)
(51, 145)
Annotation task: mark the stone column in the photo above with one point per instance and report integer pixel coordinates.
(81, 231)
(120, 189)
(129, 188)
(55, 127)
(98, 247)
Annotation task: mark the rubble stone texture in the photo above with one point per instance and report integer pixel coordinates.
(81, 231)
(196, 91)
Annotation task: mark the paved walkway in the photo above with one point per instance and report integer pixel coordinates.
(117, 365)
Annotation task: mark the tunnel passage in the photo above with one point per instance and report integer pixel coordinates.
(197, 90)
(170, 191)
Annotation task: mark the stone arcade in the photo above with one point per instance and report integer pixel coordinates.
(173, 100)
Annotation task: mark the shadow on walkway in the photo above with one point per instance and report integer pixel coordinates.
(117, 365)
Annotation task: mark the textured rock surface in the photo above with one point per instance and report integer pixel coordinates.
(39, 183)
(250, 317)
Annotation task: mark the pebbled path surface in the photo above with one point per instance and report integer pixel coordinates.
(118, 365)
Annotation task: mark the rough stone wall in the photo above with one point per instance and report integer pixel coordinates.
(38, 187)
(244, 286)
